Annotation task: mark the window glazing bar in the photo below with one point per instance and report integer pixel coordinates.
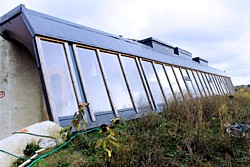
(169, 82)
(161, 88)
(209, 84)
(127, 84)
(192, 82)
(218, 83)
(185, 82)
(106, 85)
(47, 87)
(172, 67)
(201, 83)
(148, 90)
(92, 115)
(206, 84)
(196, 81)
(77, 87)
(225, 85)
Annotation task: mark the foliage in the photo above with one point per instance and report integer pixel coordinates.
(108, 142)
(79, 122)
(29, 150)
(187, 133)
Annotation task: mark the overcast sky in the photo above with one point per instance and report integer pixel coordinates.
(216, 30)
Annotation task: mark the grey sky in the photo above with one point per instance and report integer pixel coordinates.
(218, 31)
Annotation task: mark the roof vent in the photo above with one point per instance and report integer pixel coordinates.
(200, 60)
(183, 53)
(158, 45)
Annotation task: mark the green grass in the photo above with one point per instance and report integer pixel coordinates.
(189, 133)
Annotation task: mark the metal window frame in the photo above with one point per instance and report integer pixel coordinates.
(210, 83)
(190, 74)
(144, 82)
(38, 41)
(159, 82)
(172, 67)
(113, 106)
(220, 86)
(127, 84)
(191, 81)
(225, 86)
(185, 82)
(154, 105)
(228, 87)
(205, 93)
(216, 84)
(206, 84)
(197, 83)
(203, 83)
(76, 55)
(164, 69)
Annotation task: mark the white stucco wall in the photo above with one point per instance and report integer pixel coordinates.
(23, 103)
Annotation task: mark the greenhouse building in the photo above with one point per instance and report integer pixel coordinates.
(48, 66)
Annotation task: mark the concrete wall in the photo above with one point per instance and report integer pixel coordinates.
(23, 103)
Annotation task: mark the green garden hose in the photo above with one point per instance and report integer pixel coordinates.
(57, 149)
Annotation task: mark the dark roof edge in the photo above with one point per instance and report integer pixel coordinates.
(13, 13)
(156, 40)
(63, 21)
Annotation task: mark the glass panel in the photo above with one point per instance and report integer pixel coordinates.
(229, 85)
(180, 80)
(203, 83)
(222, 84)
(210, 81)
(57, 77)
(196, 88)
(173, 81)
(135, 82)
(206, 84)
(219, 84)
(164, 81)
(115, 80)
(92, 80)
(153, 82)
(188, 82)
(216, 84)
(226, 84)
(199, 83)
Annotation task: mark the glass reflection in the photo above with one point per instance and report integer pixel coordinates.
(92, 80)
(115, 80)
(135, 82)
(210, 81)
(164, 82)
(222, 84)
(153, 82)
(180, 80)
(58, 81)
(196, 88)
(206, 83)
(203, 84)
(216, 84)
(173, 81)
(189, 83)
(195, 75)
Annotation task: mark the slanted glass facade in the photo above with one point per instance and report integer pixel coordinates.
(118, 77)
(114, 83)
